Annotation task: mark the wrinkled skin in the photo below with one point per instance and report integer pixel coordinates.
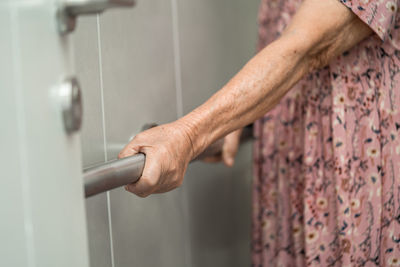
(318, 32)
(169, 150)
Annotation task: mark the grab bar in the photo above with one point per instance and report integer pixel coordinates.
(128, 170)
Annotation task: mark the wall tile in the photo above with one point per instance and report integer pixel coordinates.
(86, 56)
(148, 232)
(139, 88)
(98, 231)
(138, 70)
(216, 40)
(219, 212)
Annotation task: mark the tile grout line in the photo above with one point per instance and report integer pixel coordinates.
(104, 137)
(179, 104)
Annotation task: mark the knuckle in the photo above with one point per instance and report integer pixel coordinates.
(148, 182)
(173, 168)
(177, 181)
(137, 137)
(138, 140)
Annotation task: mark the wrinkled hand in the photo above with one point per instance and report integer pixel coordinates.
(168, 151)
(229, 149)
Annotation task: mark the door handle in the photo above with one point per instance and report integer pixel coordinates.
(70, 9)
(128, 170)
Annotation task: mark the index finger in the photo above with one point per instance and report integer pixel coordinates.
(128, 150)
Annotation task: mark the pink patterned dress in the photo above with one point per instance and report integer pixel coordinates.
(327, 158)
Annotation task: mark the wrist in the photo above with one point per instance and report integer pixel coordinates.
(194, 132)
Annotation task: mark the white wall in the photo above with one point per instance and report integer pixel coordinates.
(154, 63)
(40, 165)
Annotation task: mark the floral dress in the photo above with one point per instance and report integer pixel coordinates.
(327, 164)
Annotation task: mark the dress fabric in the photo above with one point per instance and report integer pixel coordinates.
(327, 158)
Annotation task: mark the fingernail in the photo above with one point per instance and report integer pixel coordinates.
(230, 161)
(126, 188)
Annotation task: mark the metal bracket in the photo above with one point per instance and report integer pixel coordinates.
(70, 9)
(71, 103)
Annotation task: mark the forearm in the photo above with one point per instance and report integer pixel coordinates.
(319, 31)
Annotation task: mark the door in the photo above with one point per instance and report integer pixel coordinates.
(42, 201)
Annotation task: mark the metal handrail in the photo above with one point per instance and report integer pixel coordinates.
(117, 173)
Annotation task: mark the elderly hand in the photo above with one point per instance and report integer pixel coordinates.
(168, 151)
(229, 149)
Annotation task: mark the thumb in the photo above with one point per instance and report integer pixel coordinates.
(128, 150)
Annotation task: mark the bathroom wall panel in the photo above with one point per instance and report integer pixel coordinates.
(49, 159)
(139, 88)
(87, 69)
(98, 231)
(12, 224)
(138, 70)
(86, 57)
(219, 212)
(148, 232)
(217, 37)
(209, 217)
(216, 40)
